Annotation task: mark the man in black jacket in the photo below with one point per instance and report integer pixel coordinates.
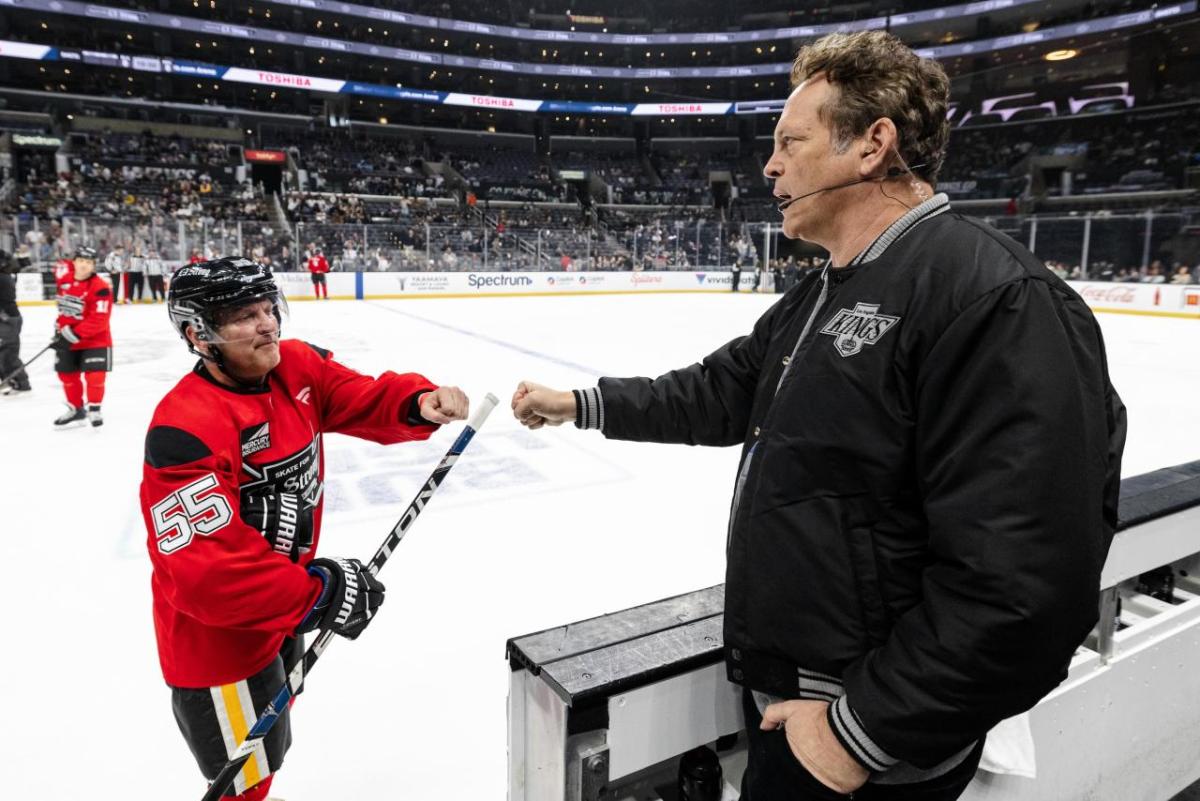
(10, 330)
(930, 454)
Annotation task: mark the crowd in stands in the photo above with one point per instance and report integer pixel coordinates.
(686, 175)
(148, 149)
(335, 161)
(133, 193)
(1156, 273)
(501, 173)
(403, 197)
(1113, 154)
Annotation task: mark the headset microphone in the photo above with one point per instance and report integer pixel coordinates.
(893, 172)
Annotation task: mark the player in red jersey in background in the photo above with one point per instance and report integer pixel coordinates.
(232, 499)
(83, 342)
(318, 266)
(64, 270)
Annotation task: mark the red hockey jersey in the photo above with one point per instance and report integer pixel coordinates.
(86, 307)
(64, 271)
(223, 599)
(317, 264)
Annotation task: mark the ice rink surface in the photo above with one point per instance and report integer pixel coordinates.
(531, 530)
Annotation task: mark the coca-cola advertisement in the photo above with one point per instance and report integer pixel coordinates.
(1107, 294)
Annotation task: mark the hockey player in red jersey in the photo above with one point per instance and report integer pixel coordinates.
(318, 266)
(83, 341)
(64, 271)
(232, 499)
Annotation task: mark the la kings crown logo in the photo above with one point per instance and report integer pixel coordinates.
(852, 329)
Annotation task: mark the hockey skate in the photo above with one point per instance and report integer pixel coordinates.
(70, 418)
(94, 417)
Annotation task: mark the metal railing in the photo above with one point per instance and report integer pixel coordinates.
(1082, 241)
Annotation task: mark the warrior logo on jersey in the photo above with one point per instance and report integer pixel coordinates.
(852, 329)
(70, 306)
(256, 438)
(298, 474)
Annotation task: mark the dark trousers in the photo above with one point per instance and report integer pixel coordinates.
(134, 285)
(116, 282)
(156, 287)
(10, 352)
(774, 774)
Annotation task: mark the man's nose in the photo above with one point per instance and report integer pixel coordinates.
(773, 168)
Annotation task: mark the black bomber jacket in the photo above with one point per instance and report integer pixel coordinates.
(927, 489)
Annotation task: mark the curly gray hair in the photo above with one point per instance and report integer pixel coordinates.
(876, 75)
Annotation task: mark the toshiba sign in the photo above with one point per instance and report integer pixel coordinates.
(282, 79)
(682, 109)
(265, 156)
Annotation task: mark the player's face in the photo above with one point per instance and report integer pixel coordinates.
(805, 159)
(249, 340)
(84, 268)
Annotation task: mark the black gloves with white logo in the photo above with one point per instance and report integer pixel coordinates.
(283, 518)
(64, 339)
(349, 600)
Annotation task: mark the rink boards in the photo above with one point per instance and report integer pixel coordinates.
(1156, 300)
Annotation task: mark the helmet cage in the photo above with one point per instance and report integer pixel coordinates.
(199, 293)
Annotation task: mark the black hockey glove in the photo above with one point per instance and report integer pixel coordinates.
(64, 339)
(349, 600)
(283, 519)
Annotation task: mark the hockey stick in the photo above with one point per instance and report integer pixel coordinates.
(17, 372)
(296, 678)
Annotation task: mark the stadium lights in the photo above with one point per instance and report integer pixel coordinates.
(1060, 55)
(383, 121)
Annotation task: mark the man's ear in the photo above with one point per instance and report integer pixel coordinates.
(195, 340)
(877, 145)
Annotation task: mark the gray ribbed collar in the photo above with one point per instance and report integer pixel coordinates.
(918, 214)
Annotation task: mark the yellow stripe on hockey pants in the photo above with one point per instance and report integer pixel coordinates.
(235, 714)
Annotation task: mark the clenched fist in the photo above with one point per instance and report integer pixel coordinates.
(445, 404)
(535, 406)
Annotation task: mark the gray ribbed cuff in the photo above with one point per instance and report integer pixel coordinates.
(589, 408)
(854, 738)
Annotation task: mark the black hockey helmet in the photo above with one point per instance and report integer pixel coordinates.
(199, 291)
(85, 252)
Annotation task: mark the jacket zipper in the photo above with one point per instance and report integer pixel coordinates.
(744, 473)
(821, 297)
(737, 495)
